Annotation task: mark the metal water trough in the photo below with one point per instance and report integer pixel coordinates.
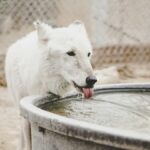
(51, 131)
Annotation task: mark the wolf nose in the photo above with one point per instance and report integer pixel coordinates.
(91, 80)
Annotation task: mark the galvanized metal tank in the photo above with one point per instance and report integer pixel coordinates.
(118, 118)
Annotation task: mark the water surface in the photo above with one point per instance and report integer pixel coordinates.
(121, 110)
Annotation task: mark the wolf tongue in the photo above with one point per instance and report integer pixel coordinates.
(87, 92)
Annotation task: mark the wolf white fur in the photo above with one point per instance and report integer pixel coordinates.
(39, 63)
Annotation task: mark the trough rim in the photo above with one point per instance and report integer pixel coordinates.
(112, 137)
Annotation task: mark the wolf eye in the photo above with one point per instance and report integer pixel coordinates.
(71, 53)
(89, 54)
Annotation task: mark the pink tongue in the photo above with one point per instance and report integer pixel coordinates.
(88, 92)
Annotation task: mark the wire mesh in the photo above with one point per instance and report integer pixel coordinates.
(118, 29)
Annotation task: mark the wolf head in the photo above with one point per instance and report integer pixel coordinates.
(68, 53)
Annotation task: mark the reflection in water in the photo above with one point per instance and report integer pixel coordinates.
(119, 110)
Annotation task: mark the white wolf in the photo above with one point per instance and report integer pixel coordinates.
(49, 59)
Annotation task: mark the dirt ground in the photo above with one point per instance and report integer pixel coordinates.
(9, 121)
(9, 114)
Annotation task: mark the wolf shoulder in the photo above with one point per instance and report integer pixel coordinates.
(25, 45)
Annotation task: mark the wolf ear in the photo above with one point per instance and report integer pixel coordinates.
(43, 30)
(78, 25)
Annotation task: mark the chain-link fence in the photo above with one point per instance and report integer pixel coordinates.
(119, 29)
